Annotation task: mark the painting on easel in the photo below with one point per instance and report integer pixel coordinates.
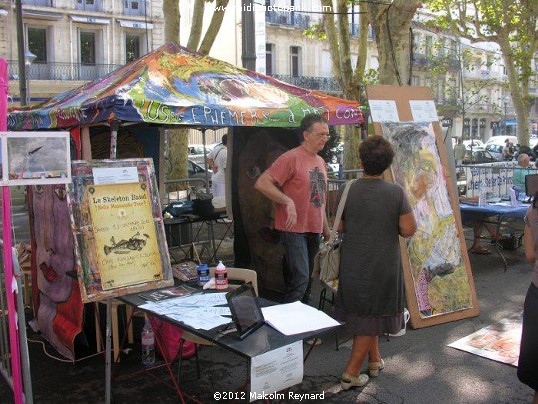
(441, 281)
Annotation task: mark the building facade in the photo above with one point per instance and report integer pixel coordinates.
(75, 41)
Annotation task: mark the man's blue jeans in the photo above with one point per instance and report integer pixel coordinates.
(301, 248)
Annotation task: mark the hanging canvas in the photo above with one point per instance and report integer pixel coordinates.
(441, 282)
(120, 240)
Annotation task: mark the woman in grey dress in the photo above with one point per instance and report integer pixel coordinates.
(370, 297)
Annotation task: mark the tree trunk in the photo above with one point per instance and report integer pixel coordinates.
(178, 139)
(391, 26)
(178, 142)
(214, 27)
(520, 108)
(197, 24)
(171, 20)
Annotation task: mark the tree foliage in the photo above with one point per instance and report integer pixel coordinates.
(458, 95)
(510, 24)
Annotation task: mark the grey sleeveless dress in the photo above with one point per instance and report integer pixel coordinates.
(370, 296)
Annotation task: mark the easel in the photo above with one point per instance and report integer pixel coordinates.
(116, 213)
(403, 97)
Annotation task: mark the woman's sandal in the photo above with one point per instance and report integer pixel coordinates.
(375, 367)
(348, 381)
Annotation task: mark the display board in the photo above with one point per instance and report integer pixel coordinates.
(437, 272)
(119, 234)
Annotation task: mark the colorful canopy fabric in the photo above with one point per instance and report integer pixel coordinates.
(174, 86)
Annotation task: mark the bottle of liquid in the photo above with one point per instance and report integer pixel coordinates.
(221, 277)
(203, 274)
(148, 344)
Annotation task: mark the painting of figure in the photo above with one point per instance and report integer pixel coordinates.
(441, 282)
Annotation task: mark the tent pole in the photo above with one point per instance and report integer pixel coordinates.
(205, 161)
(113, 139)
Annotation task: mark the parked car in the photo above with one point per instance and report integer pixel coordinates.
(500, 140)
(196, 153)
(197, 171)
(474, 144)
(478, 157)
(496, 151)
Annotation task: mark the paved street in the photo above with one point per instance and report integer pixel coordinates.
(420, 368)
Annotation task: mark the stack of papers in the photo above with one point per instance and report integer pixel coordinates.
(197, 311)
(296, 318)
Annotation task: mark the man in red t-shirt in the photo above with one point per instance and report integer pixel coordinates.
(297, 182)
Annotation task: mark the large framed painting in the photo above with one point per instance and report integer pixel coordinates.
(438, 281)
(119, 233)
(439, 284)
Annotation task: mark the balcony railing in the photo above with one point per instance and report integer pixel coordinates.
(324, 84)
(61, 71)
(291, 19)
(85, 72)
(41, 3)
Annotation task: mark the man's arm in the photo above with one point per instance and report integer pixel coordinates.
(267, 186)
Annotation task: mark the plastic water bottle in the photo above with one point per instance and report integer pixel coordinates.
(148, 344)
(221, 277)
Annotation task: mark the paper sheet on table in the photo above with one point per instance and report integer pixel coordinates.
(296, 318)
(193, 319)
(197, 311)
(197, 300)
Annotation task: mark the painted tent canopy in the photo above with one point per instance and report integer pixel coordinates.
(174, 86)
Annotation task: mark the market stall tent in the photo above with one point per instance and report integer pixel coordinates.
(171, 86)
(174, 86)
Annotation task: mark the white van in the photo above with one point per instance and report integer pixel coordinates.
(500, 139)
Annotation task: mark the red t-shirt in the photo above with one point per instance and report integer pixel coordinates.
(303, 177)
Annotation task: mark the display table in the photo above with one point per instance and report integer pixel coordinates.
(492, 213)
(263, 340)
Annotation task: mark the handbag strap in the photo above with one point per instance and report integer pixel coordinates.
(339, 211)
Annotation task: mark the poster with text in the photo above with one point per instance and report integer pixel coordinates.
(125, 237)
(120, 243)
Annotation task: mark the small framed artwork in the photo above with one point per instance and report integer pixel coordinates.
(34, 158)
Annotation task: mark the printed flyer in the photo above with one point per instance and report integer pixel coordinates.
(124, 232)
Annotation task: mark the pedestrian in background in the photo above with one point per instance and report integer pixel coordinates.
(527, 368)
(370, 296)
(216, 160)
(508, 149)
(521, 171)
(297, 182)
(459, 151)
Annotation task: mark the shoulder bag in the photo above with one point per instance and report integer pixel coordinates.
(327, 260)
